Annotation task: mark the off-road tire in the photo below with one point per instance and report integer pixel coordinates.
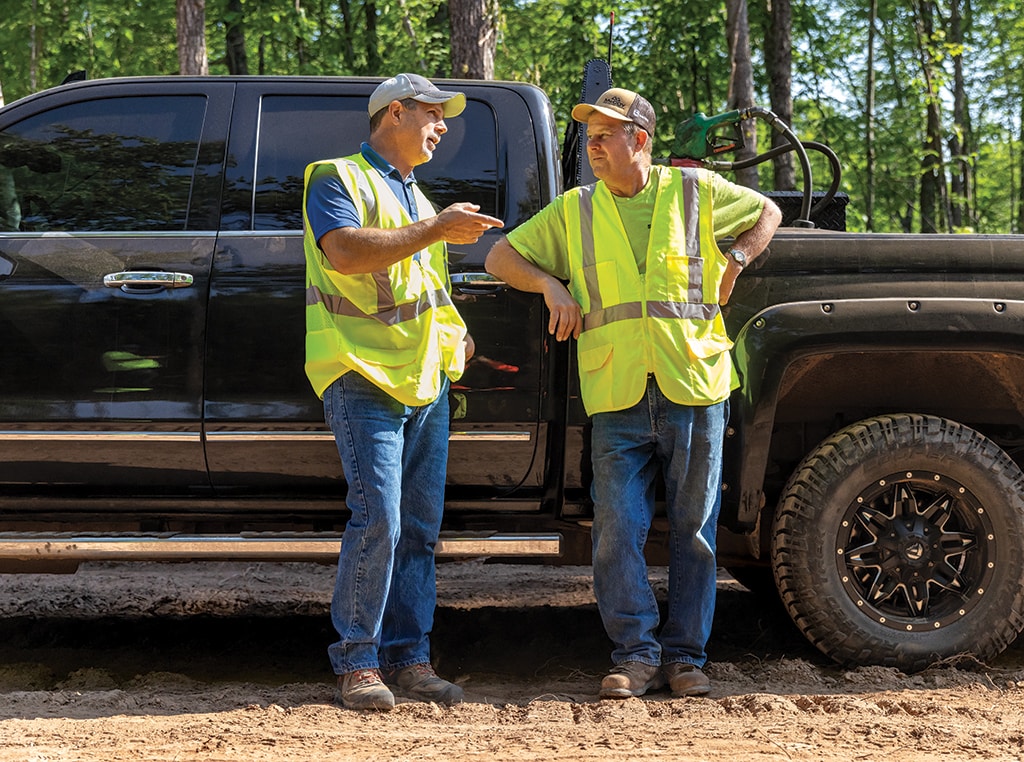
(899, 541)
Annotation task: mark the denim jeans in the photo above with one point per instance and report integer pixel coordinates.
(394, 458)
(629, 446)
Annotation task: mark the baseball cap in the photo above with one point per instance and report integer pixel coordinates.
(624, 105)
(418, 88)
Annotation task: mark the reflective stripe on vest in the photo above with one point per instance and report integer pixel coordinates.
(665, 321)
(693, 309)
(387, 313)
(397, 327)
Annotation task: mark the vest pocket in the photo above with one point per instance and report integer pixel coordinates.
(597, 378)
(595, 358)
(708, 346)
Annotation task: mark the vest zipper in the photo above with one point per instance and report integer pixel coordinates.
(648, 348)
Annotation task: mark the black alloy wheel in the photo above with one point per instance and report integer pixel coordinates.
(900, 541)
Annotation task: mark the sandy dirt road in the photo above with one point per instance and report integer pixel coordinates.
(227, 662)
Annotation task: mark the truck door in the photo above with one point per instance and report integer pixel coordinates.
(106, 240)
(264, 424)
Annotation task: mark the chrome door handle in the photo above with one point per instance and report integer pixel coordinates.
(476, 283)
(137, 281)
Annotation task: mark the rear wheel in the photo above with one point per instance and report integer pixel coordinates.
(900, 541)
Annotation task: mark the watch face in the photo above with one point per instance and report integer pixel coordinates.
(739, 256)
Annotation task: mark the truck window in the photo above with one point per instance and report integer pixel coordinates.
(116, 164)
(296, 130)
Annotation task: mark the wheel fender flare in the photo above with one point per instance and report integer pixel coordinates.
(774, 338)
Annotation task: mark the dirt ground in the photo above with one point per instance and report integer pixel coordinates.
(228, 662)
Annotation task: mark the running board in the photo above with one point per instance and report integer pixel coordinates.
(40, 547)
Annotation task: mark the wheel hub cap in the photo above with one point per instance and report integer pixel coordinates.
(916, 551)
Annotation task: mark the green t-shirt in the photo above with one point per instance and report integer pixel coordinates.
(636, 214)
(542, 240)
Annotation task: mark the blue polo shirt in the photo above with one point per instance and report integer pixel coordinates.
(329, 205)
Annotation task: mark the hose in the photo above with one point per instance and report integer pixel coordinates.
(833, 160)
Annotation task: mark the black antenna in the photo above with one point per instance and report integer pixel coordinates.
(611, 32)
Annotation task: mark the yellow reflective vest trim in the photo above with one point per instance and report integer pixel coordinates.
(397, 327)
(666, 321)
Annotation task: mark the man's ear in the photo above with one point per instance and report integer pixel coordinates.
(642, 139)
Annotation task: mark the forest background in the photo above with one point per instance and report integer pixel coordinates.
(922, 101)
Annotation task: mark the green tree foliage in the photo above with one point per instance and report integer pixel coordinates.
(536, 39)
(45, 40)
(675, 53)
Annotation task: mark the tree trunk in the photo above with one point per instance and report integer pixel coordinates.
(300, 42)
(373, 59)
(892, 57)
(33, 54)
(869, 118)
(778, 55)
(1019, 219)
(473, 38)
(238, 62)
(192, 37)
(961, 140)
(741, 82)
(411, 33)
(932, 171)
(348, 51)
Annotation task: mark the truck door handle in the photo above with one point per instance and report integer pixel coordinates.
(141, 281)
(477, 283)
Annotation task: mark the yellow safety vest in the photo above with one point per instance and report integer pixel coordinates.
(396, 327)
(666, 321)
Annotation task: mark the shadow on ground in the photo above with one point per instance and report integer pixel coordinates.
(535, 641)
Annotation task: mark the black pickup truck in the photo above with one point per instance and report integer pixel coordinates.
(153, 403)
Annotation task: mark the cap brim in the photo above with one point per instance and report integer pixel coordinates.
(454, 103)
(583, 111)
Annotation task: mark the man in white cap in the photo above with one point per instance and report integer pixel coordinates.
(646, 279)
(383, 342)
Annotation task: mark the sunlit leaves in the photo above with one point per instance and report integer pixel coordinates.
(674, 52)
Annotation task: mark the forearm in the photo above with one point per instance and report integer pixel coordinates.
(507, 264)
(369, 249)
(751, 242)
(755, 240)
(565, 318)
(365, 250)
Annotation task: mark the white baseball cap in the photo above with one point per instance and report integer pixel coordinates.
(418, 88)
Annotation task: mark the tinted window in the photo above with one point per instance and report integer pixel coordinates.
(118, 164)
(297, 130)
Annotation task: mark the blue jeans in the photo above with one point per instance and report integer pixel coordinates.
(628, 448)
(394, 458)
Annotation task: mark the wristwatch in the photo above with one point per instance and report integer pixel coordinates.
(738, 256)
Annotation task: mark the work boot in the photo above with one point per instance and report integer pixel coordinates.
(420, 682)
(631, 678)
(686, 679)
(364, 689)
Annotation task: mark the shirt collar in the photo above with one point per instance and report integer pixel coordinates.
(382, 165)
